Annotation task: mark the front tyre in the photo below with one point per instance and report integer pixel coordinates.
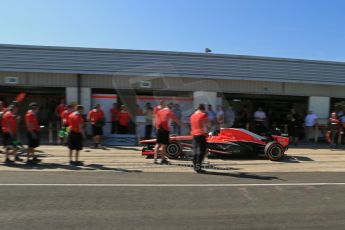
(274, 151)
(174, 150)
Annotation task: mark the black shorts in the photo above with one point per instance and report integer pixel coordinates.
(33, 140)
(7, 139)
(123, 129)
(97, 130)
(75, 141)
(162, 137)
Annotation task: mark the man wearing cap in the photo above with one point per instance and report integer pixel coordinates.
(75, 137)
(96, 118)
(33, 129)
(163, 116)
(9, 132)
(199, 124)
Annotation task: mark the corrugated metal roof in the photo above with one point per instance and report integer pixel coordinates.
(49, 59)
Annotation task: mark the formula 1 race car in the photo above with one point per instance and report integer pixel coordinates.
(227, 141)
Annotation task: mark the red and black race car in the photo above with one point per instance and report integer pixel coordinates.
(226, 141)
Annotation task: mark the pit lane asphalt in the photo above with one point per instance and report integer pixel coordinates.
(133, 198)
(114, 200)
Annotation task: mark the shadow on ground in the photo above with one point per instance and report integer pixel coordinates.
(242, 175)
(102, 167)
(205, 166)
(42, 166)
(91, 167)
(294, 159)
(285, 159)
(125, 148)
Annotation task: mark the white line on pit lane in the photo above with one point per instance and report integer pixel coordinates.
(169, 185)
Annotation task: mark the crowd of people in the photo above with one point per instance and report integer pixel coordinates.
(9, 129)
(299, 127)
(163, 119)
(160, 117)
(72, 129)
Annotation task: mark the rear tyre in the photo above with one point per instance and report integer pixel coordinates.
(174, 150)
(274, 151)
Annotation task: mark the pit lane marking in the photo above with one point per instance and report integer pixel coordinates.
(172, 185)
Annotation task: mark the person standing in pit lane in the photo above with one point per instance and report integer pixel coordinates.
(220, 118)
(178, 113)
(163, 117)
(333, 127)
(33, 130)
(63, 133)
(76, 135)
(199, 124)
(3, 109)
(58, 111)
(310, 126)
(9, 133)
(260, 118)
(114, 114)
(124, 119)
(212, 117)
(96, 118)
(155, 111)
(148, 121)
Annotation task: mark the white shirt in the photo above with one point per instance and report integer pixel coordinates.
(260, 115)
(211, 115)
(220, 114)
(310, 120)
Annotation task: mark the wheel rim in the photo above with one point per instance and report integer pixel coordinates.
(276, 151)
(173, 149)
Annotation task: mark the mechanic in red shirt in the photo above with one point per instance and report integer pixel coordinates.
(124, 119)
(114, 113)
(161, 105)
(199, 125)
(163, 117)
(96, 118)
(33, 129)
(65, 122)
(60, 108)
(75, 137)
(65, 114)
(9, 133)
(2, 111)
(334, 127)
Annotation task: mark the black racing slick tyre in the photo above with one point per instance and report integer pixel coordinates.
(274, 151)
(174, 150)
